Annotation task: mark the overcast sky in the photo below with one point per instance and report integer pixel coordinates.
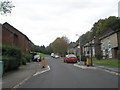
(45, 20)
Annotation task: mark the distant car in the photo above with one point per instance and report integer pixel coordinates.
(56, 56)
(37, 58)
(52, 54)
(70, 58)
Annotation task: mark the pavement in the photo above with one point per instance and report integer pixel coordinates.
(14, 78)
(110, 69)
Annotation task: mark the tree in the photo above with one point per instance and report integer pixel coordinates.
(60, 46)
(6, 7)
(99, 27)
(49, 49)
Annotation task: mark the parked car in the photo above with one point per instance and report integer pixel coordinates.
(70, 58)
(56, 56)
(37, 58)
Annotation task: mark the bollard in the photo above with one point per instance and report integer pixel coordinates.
(43, 63)
(87, 61)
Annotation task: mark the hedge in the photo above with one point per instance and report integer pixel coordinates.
(9, 63)
(11, 51)
(11, 57)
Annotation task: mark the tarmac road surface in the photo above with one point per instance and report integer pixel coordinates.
(66, 75)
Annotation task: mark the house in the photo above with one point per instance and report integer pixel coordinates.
(110, 44)
(105, 45)
(71, 49)
(12, 36)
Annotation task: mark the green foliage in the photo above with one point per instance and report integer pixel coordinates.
(60, 46)
(49, 49)
(28, 57)
(11, 57)
(42, 55)
(11, 51)
(100, 27)
(41, 49)
(25, 58)
(107, 62)
(118, 55)
(9, 63)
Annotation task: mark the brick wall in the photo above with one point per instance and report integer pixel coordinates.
(11, 36)
(7, 37)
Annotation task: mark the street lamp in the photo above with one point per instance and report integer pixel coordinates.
(79, 48)
(92, 49)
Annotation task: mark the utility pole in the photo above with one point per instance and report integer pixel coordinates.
(79, 48)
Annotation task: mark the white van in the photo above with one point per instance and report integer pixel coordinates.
(52, 54)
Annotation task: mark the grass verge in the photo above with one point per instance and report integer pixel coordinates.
(43, 55)
(110, 62)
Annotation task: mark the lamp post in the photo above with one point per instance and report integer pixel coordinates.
(79, 47)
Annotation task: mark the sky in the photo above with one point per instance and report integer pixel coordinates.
(42, 21)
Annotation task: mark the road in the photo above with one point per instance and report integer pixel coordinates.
(66, 75)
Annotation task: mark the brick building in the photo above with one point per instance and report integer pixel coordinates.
(12, 36)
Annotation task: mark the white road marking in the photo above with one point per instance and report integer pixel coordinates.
(84, 67)
(48, 68)
(21, 82)
(40, 72)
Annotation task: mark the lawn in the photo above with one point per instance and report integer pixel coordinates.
(43, 55)
(109, 62)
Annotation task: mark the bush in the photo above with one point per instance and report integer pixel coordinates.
(28, 57)
(9, 63)
(11, 57)
(23, 61)
(11, 51)
(118, 54)
(25, 58)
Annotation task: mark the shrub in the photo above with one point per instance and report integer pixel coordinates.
(118, 54)
(9, 63)
(23, 59)
(11, 57)
(28, 57)
(11, 51)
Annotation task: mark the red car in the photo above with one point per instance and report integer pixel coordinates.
(70, 58)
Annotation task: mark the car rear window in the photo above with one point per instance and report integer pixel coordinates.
(71, 56)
